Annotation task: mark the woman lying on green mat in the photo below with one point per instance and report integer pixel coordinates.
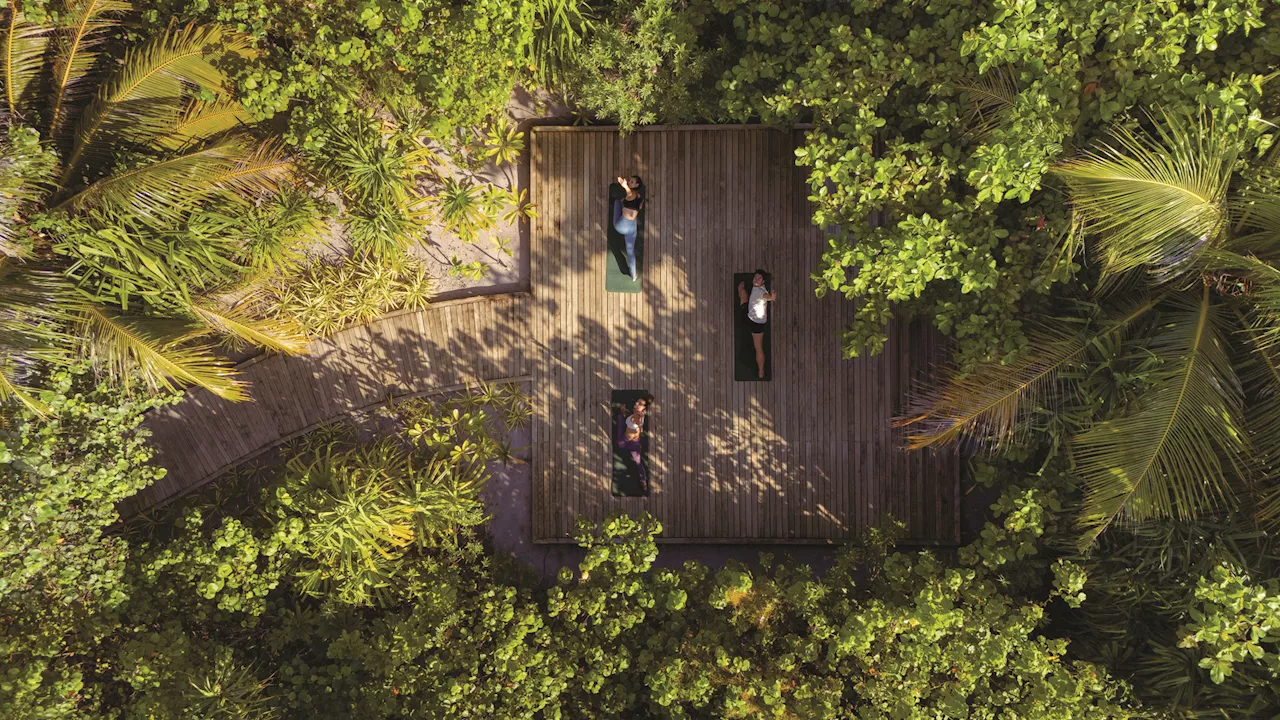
(630, 428)
(625, 212)
(756, 305)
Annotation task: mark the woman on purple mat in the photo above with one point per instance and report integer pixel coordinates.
(630, 429)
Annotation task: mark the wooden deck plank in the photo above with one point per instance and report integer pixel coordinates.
(807, 456)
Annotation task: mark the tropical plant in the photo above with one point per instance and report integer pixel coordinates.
(326, 296)
(1179, 610)
(378, 169)
(562, 28)
(104, 193)
(503, 142)
(62, 567)
(1188, 230)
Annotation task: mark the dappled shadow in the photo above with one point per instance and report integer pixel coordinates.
(807, 456)
(446, 346)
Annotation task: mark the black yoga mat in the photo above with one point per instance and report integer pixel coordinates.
(626, 476)
(744, 349)
(617, 276)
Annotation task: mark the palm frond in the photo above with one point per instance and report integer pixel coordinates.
(1155, 202)
(163, 190)
(11, 391)
(121, 346)
(85, 29)
(990, 97)
(989, 403)
(142, 99)
(1261, 291)
(34, 304)
(283, 335)
(1260, 376)
(1257, 223)
(1167, 459)
(26, 173)
(24, 45)
(202, 121)
(257, 171)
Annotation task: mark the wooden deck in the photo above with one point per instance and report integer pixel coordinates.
(809, 456)
(443, 347)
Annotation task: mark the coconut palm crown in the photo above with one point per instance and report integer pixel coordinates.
(1168, 389)
(113, 170)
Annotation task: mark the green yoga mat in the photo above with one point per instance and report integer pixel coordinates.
(626, 477)
(617, 277)
(744, 350)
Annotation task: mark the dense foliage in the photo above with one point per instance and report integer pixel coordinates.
(364, 591)
(62, 575)
(975, 166)
(127, 176)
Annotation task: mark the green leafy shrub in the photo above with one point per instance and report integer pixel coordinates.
(644, 62)
(62, 569)
(341, 58)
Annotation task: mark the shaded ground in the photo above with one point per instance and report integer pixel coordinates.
(506, 273)
(508, 498)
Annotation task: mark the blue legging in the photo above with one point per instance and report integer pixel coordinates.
(627, 229)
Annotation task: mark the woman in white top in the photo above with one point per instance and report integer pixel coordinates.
(755, 303)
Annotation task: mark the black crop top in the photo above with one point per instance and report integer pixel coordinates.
(633, 204)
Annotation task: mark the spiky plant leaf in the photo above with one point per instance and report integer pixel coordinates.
(120, 346)
(990, 97)
(1174, 456)
(142, 99)
(24, 45)
(257, 172)
(1260, 376)
(989, 403)
(166, 190)
(86, 24)
(201, 121)
(1155, 201)
(280, 334)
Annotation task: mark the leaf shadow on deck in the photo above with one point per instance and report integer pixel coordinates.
(445, 347)
(809, 456)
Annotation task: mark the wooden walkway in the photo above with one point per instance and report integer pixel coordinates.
(443, 347)
(809, 456)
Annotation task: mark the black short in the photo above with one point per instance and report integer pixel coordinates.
(755, 327)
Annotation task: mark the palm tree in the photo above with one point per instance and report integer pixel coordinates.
(1186, 237)
(104, 184)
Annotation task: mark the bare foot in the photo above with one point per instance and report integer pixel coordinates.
(623, 182)
(762, 374)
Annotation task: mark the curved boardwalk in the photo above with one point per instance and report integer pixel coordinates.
(445, 346)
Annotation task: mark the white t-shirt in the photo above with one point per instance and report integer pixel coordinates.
(757, 311)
